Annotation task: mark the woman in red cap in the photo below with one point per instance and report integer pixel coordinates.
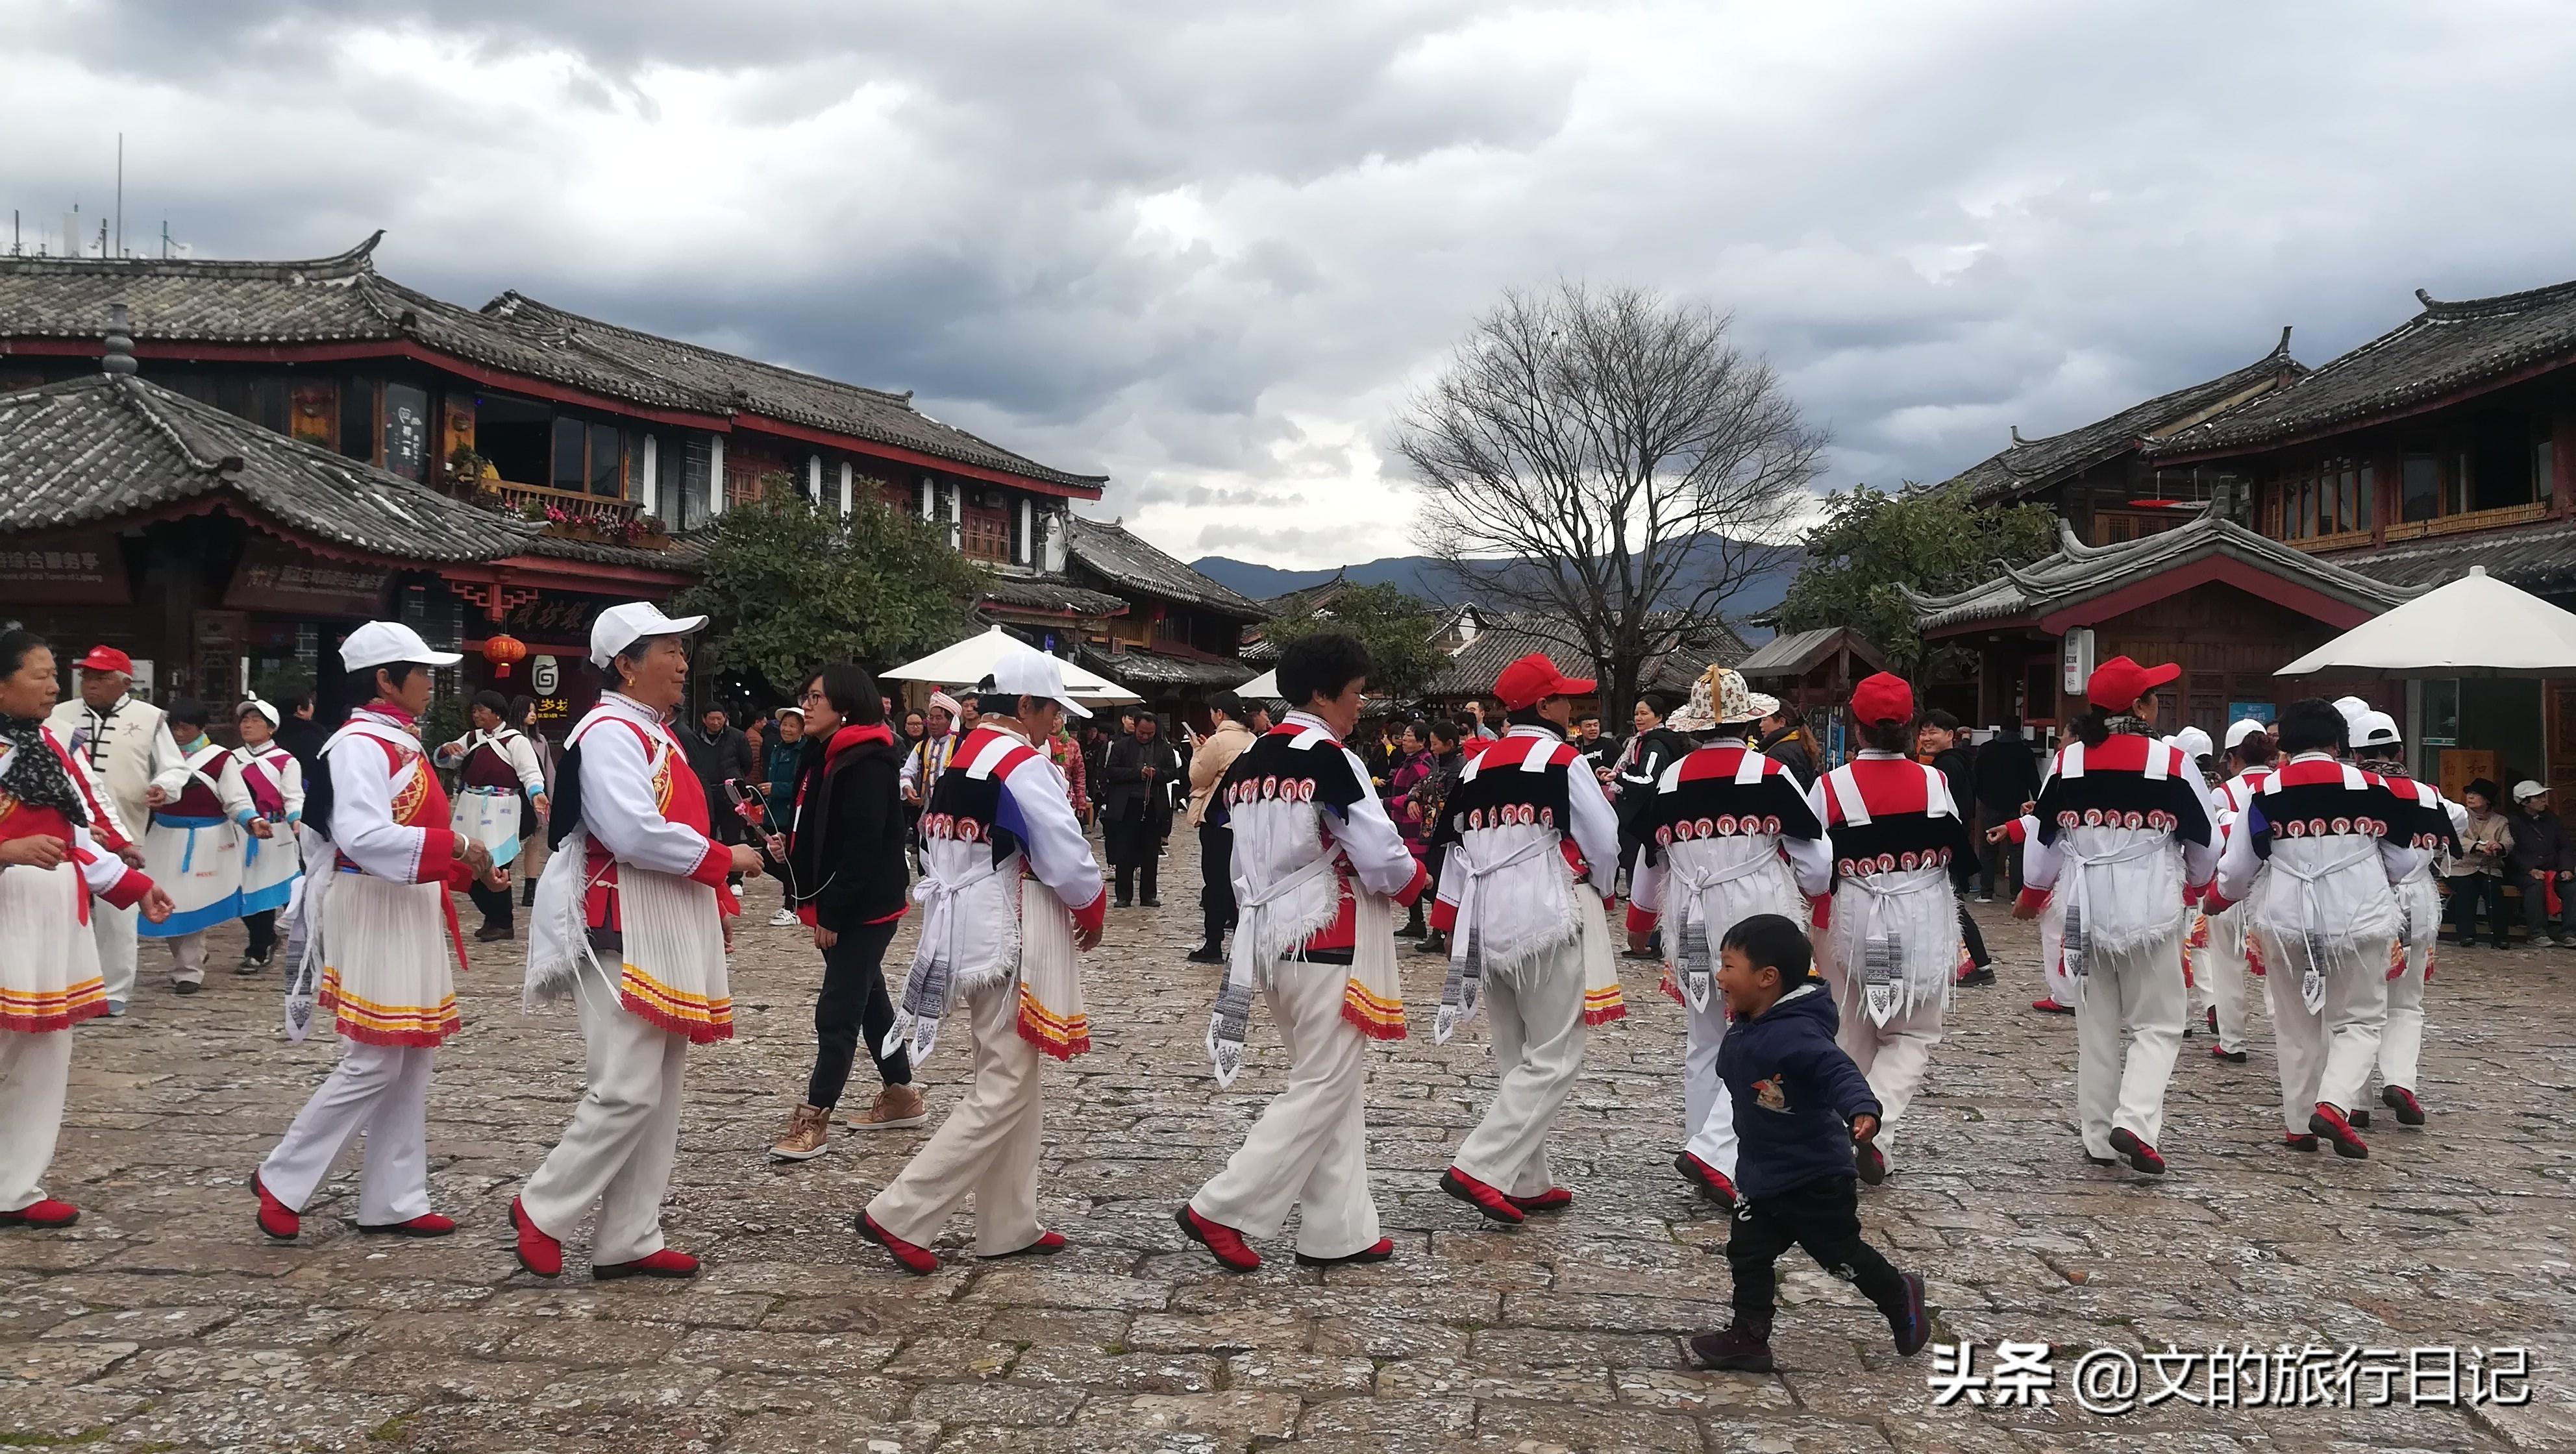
(2122, 829)
(1891, 945)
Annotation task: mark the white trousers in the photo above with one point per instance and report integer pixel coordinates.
(1893, 1057)
(1708, 1113)
(188, 958)
(35, 1069)
(112, 929)
(987, 1148)
(2224, 977)
(1309, 1150)
(624, 1134)
(2401, 1041)
(2129, 1009)
(2325, 1056)
(1538, 1032)
(382, 1092)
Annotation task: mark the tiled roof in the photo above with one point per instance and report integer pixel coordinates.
(2443, 349)
(1125, 561)
(1132, 669)
(343, 299)
(2080, 572)
(686, 555)
(2538, 558)
(1794, 654)
(1052, 594)
(104, 447)
(774, 392)
(2031, 465)
(1507, 636)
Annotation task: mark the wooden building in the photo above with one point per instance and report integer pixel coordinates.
(1179, 639)
(2447, 442)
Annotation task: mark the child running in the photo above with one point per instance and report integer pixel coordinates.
(1795, 1092)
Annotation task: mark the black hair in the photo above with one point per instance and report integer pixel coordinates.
(1421, 730)
(290, 703)
(1772, 941)
(1444, 730)
(522, 708)
(1941, 720)
(1888, 736)
(2092, 727)
(15, 643)
(1228, 703)
(1657, 703)
(1526, 717)
(974, 701)
(2312, 724)
(362, 682)
(2011, 723)
(494, 703)
(634, 651)
(1582, 717)
(190, 712)
(852, 692)
(1322, 665)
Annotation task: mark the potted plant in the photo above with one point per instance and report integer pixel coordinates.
(646, 531)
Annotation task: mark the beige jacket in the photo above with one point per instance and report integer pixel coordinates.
(1216, 753)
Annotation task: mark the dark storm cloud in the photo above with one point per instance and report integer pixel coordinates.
(1206, 247)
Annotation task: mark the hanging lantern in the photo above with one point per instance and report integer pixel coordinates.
(501, 651)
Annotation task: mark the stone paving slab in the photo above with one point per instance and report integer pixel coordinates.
(164, 1322)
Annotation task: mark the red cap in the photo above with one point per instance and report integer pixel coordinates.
(2118, 683)
(1533, 679)
(1882, 698)
(106, 658)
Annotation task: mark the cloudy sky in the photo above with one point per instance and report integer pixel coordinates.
(1206, 246)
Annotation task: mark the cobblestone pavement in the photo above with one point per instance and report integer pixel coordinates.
(164, 1322)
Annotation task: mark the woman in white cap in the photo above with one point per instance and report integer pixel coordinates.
(1010, 895)
(2431, 822)
(50, 870)
(380, 926)
(201, 816)
(628, 922)
(1728, 834)
(274, 867)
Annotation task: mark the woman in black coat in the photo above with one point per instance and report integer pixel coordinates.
(843, 865)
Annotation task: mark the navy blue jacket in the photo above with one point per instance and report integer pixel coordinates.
(1795, 1093)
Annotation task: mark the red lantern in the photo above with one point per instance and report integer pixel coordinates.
(501, 651)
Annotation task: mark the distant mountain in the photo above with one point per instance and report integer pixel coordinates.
(1421, 577)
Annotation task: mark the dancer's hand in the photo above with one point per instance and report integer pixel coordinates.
(259, 828)
(36, 850)
(1864, 1128)
(1086, 936)
(2026, 907)
(825, 938)
(158, 906)
(746, 860)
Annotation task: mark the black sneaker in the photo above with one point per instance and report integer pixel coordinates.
(1911, 1323)
(185, 987)
(1735, 1350)
(1151, 902)
(1434, 942)
(1207, 954)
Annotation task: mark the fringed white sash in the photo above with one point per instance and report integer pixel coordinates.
(1896, 936)
(1703, 901)
(952, 956)
(2103, 908)
(1470, 958)
(2324, 911)
(1262, 935)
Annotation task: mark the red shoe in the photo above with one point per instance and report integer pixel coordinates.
(2133, 1149)
(2410, 1112)
(1869, 1163)
(1383, 1250)
(2327, 1123)
(665, 1263)
(428, 1224)
(276, 1218)
(1223, 1243)
(2050, 1006)
(1554, 1199)
(919, 1261)
(2213, 1019)
(2232, 1057)
(1048, 1244)
(2298, 1142)
(1483, 1198)
(44, 1213)
(538, 1253)
(1711, 1181)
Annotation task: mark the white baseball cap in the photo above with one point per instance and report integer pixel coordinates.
(383, 643)
(2193, 742)
(2374, 729)
(2526, 790)
(2244, 727)
(2351, 707)
(1034, 674)
(620, 627)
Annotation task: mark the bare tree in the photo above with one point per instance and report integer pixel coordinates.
(1606, 460)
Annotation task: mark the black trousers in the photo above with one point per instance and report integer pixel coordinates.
(2002, 865)
(2468, 892)
(1821, 1216)
(1216, 886)
(854, 1005)
(2535, 904)
(1974, 938)
(262, 928)
(495, 904)
(1134, 849)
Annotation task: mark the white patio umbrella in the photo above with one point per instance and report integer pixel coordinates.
(1263, 688)
(2477, 626)
(972, 660)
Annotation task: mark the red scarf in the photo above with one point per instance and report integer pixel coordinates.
(851, 735)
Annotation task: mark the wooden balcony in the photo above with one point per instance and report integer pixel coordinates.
(517, 498)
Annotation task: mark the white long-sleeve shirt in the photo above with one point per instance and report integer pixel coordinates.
(374, 764)
(515, 749)
(219, 767)
(1051, 838)
(618, 805)
(105, 875)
